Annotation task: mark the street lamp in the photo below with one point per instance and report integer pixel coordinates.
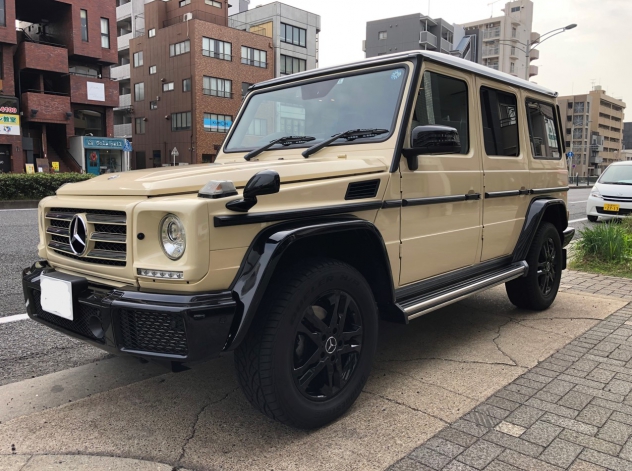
(531, 46)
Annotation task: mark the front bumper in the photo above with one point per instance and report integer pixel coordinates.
(595, 207)
(177, 328)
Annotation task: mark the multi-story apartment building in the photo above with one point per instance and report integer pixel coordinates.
(627, 135)
(419, 32)
(593, 129)
(507, 39)
(189, 72)
(61, 51)
(294, 33)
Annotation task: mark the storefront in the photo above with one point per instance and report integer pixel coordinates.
(99, 155)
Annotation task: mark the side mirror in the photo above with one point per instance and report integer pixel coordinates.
(266, 182)
(431, 139)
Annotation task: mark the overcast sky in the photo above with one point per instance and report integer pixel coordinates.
(598, 49)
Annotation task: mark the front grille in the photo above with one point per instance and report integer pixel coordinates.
(619, 199)
(621, 212)
(153, 332)
(83, 317)
(107, 235)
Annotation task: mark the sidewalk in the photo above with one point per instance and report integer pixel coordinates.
(571, 412)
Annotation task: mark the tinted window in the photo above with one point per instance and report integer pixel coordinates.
(500, 122)
(543, 130)
(443, 101)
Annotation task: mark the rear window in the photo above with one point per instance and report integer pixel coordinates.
(544, 134)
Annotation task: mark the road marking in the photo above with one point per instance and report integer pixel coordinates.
(573, 202)
(27, 209)
(8, 319)
(577, 220)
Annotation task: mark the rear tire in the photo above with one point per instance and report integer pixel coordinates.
(539, 288)
(593, 218)
(309, 351)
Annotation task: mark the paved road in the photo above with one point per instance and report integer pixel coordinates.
(577, 199)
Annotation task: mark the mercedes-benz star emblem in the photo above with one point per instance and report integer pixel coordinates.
(330, 345)
(78, 234)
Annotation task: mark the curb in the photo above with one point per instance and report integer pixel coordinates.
(79, 463)
(19, 204)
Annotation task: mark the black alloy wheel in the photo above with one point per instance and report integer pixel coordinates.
(547, 267)
(327, 346)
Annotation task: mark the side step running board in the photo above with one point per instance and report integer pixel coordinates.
(429, 302)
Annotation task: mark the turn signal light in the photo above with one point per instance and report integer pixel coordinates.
(166, 275)
(218, 189)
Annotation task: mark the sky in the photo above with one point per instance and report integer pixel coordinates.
(597, 51)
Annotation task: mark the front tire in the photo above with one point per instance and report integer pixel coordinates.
(539, 288)
(309, 351)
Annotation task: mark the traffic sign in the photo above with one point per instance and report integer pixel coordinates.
(127, 146)
(175, 152)
(570, 155)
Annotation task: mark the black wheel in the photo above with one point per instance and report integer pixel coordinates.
(309, 352)
(593, 218)
(538, 289)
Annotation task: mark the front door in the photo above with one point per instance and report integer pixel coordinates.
(93, 162)
(442, 208)
(5, 159)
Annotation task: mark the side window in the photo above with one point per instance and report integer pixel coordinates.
(543, 130)
(443, 101)
(500, 122)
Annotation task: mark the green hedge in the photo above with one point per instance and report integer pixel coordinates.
(22, 186)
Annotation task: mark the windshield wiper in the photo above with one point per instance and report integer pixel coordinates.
(348, 135)
(284, 141)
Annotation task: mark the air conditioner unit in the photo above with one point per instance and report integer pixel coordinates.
(187, 17)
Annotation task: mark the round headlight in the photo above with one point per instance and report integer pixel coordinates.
(172, 236)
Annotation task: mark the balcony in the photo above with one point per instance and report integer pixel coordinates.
(124, 11)
(533, 70)
(123, 130)
(45, 57)
(595, 159)
(123, 41)
(428, 39)
(491, 34)
(535, 38)
(446, 46)
(125, 101)
(534, 55)
(121, 72)
(46, 107)
(94, 91)
(491, 51)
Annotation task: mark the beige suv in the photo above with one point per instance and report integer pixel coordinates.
(384, 189)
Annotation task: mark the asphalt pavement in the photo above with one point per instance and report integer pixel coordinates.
(577, 199)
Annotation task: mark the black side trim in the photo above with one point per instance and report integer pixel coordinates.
(408, 111)
(392, 204)
(441, 199)
(502, 194)
(544, 191)
(257, 218)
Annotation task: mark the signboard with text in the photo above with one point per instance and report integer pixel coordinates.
(103, 143)
(9, 116)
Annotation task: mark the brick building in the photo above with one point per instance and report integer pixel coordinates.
(61, 51)
(188, 74)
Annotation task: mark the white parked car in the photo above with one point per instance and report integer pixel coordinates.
(611, 196)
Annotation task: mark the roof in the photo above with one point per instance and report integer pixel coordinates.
(446, 59)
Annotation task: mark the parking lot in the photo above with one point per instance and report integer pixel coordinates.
(61, 398)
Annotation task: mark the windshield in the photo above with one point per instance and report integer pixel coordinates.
(321, 109)
(617, 175)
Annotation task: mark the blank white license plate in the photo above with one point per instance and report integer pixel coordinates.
(57, 297)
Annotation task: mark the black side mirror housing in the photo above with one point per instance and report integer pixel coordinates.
(266, 182)
(431, 139)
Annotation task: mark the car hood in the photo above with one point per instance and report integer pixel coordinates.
(191, 178)
(615, 190)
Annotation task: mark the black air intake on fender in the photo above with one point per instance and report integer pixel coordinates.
(361, 190)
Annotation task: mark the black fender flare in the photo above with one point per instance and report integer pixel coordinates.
(267, 250)
(535, 214)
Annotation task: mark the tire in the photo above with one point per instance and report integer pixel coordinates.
(299, 364)
(539, 288)
(593, 218)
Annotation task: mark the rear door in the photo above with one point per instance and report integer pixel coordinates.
(505, 165)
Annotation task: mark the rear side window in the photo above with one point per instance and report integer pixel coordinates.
(443, 101)
(543, 131)
(500, 122)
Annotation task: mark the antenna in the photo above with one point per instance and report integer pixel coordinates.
(593, 82)
(491, 15)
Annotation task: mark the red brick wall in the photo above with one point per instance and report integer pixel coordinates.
(79, 91)
(42, 57)
(50, 108)
(8, 80)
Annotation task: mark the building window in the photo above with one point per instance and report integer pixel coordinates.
(500, 122)
(151, 33)
(140, 125)
(578, 133)
(138, 59)
(515, 9)
(255, 57)
(579, 107)
(512, 68)
(293, 35)
(382, 35)
(184, 2)
(141, 160)
(570, 105)
(105, 33)
(218, 87)
(258, 127)
(217, 122)
(213, 3)
(186, 85)
(217, 49)
(152, 69)
(139, 91)
(514, 32)
(153, 105)
(291, 65)
(3, 13)
(181, 121)
(513, 51)
(168, 87)
(180, 48)
(84, 25)
(244, 88)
